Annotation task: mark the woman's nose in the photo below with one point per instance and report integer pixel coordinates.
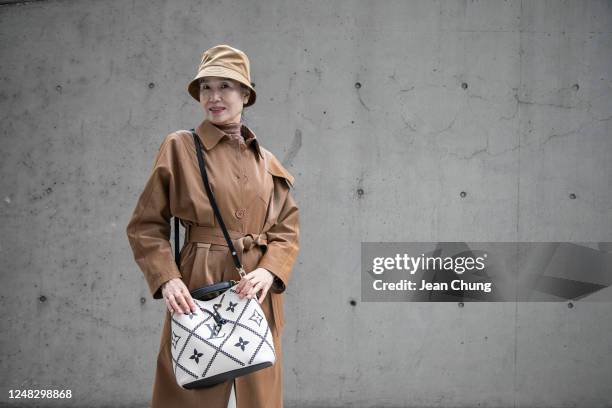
(214, 95)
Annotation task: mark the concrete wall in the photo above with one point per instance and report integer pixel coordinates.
(384, 111)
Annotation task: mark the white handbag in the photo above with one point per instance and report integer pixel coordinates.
(227, 336)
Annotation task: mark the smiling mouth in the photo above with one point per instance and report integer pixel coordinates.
(216, 109)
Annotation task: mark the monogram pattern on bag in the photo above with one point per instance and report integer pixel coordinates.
(256, 317)
(214, 331)
(203, 340)
(196, 356)
(223, 343)
(241, 343)
(175, 339)
(231, 306)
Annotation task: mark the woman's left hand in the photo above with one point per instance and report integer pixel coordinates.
(258, 280)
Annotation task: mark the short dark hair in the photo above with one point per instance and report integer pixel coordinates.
(244, 87)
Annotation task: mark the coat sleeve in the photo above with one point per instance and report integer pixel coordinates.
(283, 234)
(148, 230)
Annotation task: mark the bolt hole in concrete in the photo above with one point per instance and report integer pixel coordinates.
(357, 85)
(464, 85)
(42, 298)
(460, 304)
(570, 305)
(359, 192)
(143, 300)
(572, 196)
(151, 85)
(576, 87)
(462, 194)
(352, 302)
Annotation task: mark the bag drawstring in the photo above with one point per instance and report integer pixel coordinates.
(220, 320)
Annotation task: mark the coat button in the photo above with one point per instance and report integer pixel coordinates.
(241, 212)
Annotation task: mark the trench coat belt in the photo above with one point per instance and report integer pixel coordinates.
(212, 235)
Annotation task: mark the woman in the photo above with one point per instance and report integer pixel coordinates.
(251, 188)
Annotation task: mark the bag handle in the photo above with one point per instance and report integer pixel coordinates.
(212, 291)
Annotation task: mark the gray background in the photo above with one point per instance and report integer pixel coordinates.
(507, 101)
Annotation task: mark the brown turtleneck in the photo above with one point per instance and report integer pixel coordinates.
(232, 130)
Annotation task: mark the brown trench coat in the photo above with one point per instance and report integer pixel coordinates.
(252, 190)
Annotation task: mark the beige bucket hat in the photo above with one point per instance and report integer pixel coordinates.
(223, 61)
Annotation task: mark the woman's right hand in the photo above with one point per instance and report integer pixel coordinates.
(177, 297)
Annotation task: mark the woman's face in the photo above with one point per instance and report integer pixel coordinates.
(222, 99)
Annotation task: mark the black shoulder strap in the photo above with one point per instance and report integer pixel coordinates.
(213, 203)
(177, 252)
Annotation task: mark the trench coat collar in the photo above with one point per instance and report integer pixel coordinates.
(210, 135)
